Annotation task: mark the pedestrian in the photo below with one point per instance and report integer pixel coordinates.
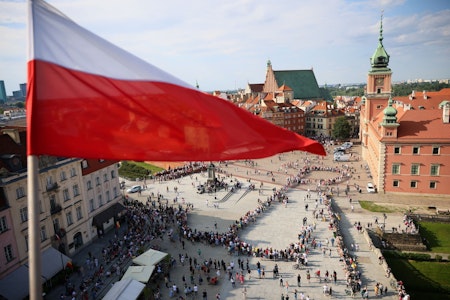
(205, 295)
(244, 293)
(298, 279)
(218, 296)
(281, 280)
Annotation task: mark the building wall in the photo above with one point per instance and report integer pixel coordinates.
(8, 239)
(98, 184)
(425, 159)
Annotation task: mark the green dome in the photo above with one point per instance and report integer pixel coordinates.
(390, 111)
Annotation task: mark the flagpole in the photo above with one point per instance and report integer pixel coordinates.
(34, 243)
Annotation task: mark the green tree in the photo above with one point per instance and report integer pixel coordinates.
(341, 129)
(20, 104)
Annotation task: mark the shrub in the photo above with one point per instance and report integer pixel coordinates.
(438, 257)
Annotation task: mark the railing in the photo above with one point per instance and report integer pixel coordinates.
(55, 209)
(52, 187)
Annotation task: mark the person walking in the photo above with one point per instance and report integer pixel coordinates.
(299, 278)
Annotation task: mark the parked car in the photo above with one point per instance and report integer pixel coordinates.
(343, 157)
(339, 149)
(134, 189)
(371, 188)
(347, 145)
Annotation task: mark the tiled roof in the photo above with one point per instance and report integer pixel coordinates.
(302, 82)
(422, 124)
(256, 87)
(432, 101)
(9, 147)
(284, 88)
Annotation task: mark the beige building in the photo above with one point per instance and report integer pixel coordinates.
(77, 200)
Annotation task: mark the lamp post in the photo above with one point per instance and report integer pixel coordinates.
(384, 222)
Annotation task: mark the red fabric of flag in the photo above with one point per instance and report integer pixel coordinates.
(88, 98)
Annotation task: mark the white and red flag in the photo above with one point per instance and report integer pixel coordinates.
(88, 98)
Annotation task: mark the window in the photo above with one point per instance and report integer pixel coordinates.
(73, 172)
(52, 202)
(397, 150)
(69, 218)
(56, 226)
(3, 224)
(415, 169)
(97, 180)
(395, 168)
(50, 181)
(413, 184)
(91, 205)
(433, 184)
(24, 214)
(115, 192)
(100, 200)
(76, 191)
(43, 234)
(434, 170)
(436, 150)
(8, 253)
(20, 192)
(89, 185)
(395, 183)
(415, 150)
(66, 195)
(108, 196)
(26, 243)
(84, 164)
(113, 174)
(79, 213)
(63, 176)
(105, 177)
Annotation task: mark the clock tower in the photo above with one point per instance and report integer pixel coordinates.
(379, 76)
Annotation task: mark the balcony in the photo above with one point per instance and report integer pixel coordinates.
(52, 187)
(55, 209)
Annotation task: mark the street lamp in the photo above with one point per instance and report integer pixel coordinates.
(384, 222)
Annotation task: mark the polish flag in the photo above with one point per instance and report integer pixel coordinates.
(88, 98)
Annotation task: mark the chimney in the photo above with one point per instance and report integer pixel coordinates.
(425, 95)
(446, 113)
(413, 94)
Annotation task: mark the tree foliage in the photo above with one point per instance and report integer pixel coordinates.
(341, 129)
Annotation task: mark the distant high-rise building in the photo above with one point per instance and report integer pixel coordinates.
(23, 89)
(2, 91)
(17, 95)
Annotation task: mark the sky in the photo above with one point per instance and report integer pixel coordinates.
(224, 45)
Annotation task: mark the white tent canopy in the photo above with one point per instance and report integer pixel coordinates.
(125, 289)
(139, 273)
(149, 258)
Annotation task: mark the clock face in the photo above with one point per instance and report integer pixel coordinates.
(380, 81)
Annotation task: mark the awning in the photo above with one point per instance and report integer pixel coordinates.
(16, 284)
(139, 273)
(107, 214)
(53, 261)
(125, 289)
(149, 258)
